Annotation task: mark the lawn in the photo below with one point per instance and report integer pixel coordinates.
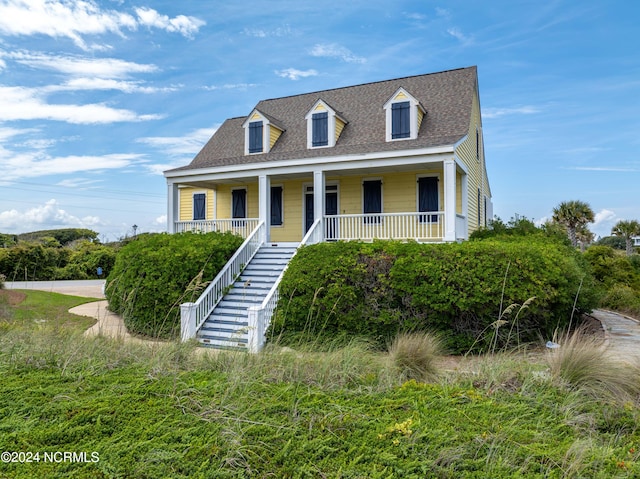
(164, 411)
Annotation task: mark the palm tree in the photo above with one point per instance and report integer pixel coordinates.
(574, 215)
(627, 229)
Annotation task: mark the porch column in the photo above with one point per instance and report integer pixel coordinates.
(318, 194)
(449, 200)
(264, 199)
(172, 207)
(465, 207)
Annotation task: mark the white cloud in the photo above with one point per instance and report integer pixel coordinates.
(333, 50)
(604, 168)
(295, 74)
(161, 220)
(46, 216)
(457, 34)
(189, 144)
(260, 33)
(231, 86)
(75, 19)
(603, 222)
(186, 26)
(18, 103)
(498, 112)
(15, 166)
(107, 84)
(82, 66)
(77, 183)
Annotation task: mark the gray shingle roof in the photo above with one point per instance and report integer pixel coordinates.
(446, 96)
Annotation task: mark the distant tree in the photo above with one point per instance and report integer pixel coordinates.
(615, 242)
(627, 229)
(574, 215)
(63, 236)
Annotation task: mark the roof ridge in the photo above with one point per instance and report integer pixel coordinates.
(365, 84)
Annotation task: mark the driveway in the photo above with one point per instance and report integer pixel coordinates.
(91, 288)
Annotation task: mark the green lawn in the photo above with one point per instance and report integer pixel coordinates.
(165, 411)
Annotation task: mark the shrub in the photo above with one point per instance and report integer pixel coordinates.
(383, 288)
(155, 273)
(415, 355)
(84, 259)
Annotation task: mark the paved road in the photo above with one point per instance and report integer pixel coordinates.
(91, 288)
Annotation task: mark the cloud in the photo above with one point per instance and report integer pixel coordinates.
(75, 19)
(186, 26)
(161, 220)
(294, 74)
(231, 86)
(15, 166)
(276, 32)
(499, 112)
(112, 68)
(333, 50)
(189, 144)
(107, 84)
(457, 34)
(603, 222)
(46, 216)
(19, 103)
(605, 168)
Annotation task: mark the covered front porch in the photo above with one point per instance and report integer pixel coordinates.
(423, 202)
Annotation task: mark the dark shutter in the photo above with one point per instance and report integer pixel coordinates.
(320, 128)
(400, 120)
(276, 205)
(255, 137)
(199, 206)
(239, 203)
(428, 198)
(372, 197)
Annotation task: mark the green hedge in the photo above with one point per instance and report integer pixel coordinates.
(381, 288)
(154, 274)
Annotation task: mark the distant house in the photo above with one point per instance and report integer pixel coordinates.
(397, 159)
(636, 241)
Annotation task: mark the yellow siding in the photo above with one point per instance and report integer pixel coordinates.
(274, 134)
(224, 200)
(320, 107)
(400, 96)
(186, 202)
(420, 117)
(256, 116)
(458, 193)
(291, 229)
(339, 127)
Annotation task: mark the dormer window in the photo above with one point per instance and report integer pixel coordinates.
(260, 133)
(324, 126)
(404, 115)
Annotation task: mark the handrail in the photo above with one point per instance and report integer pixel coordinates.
(259, 317)
(241, 226)
(420, 226)
(193, 315)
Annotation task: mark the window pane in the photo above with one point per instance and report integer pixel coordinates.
(400, 120)
(255, 137)
(320, 127)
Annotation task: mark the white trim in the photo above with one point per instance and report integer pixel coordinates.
(331, 125)
(335, 163)
(413, 115)
(266, 132)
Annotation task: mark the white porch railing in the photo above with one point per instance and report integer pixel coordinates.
(260, 316)
(240, 226)
(193, 315)
(422, 226)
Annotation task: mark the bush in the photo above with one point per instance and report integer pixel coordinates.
(415, 355)
(383, 288)
(84, 260)
(152, 277)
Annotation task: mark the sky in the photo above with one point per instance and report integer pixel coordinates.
(98, 98)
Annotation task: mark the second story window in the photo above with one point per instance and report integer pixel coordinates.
(400, 120)
(320, 127)
(255, 137)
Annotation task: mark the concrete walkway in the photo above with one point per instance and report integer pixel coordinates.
(622, 334)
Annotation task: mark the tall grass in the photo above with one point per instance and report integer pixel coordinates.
(415, 355)
(582, 362)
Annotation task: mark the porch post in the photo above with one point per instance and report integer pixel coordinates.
(449, 200)
(465, 207)
(318, 194)
(172, 206)
(264, 198)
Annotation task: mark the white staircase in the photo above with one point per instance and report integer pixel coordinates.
(227, 326)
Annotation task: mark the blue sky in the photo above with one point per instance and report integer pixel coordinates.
(97, 98)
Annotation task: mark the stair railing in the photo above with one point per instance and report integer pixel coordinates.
(259, 317)
(193, 315)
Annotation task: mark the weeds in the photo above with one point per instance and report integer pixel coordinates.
(415, 355)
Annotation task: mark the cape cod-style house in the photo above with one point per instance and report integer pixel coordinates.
(397, 159)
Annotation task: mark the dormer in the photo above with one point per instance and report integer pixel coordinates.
(324, 126)
(404, 115)
(260, 133)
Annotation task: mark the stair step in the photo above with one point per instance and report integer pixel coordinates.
(224, 321)
(227, 312)
(222, 342)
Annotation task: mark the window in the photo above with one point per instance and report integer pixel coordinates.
(238, 206)
(320, 128)
(199, 206)
(276, 206)
(255, 137)
(400, 120)
(479, 208)
(372, 200)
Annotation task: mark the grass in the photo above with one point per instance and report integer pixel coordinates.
(164, 411)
